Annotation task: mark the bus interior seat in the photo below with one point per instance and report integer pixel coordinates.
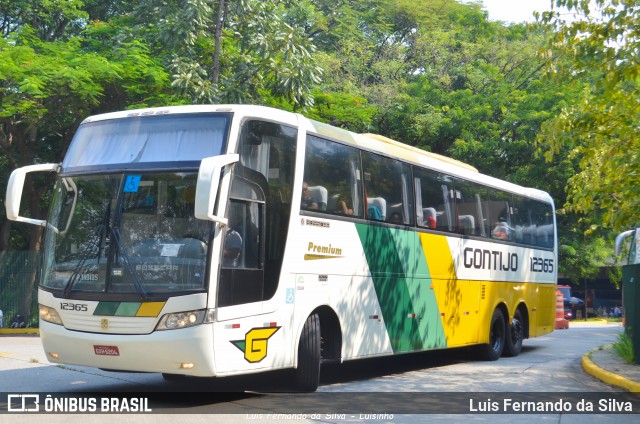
(467, 224)
(529, 234)
(319, 193)
(332, 203)
(376, 208)
(544, 235)
(194, 249)
(429, 217)
(395, 213)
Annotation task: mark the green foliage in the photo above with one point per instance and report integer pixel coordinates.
(624, 348)
(598, 55)
(230, 51)
(343, 110)
(48, 87)
(45, 82)
(50, 19)
(582, 256)
(432, 73)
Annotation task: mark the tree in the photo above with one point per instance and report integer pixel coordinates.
(50, 20)
(46, 88)
(230, 51)
(597, 53)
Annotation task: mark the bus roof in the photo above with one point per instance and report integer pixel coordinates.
(396, 149)
(373, 142)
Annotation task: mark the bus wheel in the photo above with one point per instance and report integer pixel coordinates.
(307, 376)
(497, 337)
(515, 335)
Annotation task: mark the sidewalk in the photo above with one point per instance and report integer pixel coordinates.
(606, 365)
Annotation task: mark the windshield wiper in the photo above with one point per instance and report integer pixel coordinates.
(122, 251)
(95, 247)
(81, 266)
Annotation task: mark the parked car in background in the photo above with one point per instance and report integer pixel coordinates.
(571, 303)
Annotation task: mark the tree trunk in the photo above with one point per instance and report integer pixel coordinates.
(222, 7)
(5, 234)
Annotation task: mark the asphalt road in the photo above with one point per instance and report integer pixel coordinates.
(406, 386)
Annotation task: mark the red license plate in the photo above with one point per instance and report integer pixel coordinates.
(106, 350)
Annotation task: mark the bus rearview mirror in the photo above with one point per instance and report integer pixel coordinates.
(14, 191)
(209, 176)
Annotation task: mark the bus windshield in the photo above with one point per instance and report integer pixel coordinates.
(125, 233)
(148, 139)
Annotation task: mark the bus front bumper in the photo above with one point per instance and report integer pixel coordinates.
(186, 351)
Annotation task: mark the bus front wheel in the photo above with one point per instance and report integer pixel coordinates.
(497, 337)
(307, 375)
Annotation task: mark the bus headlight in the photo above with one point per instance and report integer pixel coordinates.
(49, 314)
(179, 320)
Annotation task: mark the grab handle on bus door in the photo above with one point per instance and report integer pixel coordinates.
(15, 187)
(207, 186)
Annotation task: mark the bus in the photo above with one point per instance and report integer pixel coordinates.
(222, 240)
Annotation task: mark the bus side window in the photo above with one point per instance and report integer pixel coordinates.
(471, 208)
(331, 178)
(501, 216)
(388, 189)
(542, 217)
(433, 202)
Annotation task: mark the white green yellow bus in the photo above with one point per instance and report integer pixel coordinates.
(223, 240)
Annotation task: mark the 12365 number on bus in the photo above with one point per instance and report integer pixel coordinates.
(541, 264)
(78, 307)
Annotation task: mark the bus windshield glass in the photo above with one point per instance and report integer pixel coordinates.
(125, 233)
(148, 139)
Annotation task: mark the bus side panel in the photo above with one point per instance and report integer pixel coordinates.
(420, 286)
(403, 286)
(253, 343)
(458, 300)
(546, 310)
(330, 269)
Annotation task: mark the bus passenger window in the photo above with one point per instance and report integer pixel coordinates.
(433, 200)
(471, 208)
(388, 189)
(331, 178)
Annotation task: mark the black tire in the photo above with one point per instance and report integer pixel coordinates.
(497, 337)
(307, 375)
(515, 336)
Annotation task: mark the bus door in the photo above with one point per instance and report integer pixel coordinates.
(249, 334)
(242, 260)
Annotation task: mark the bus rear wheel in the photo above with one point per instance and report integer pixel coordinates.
(307, 375)
(497, 337)
(515, 335)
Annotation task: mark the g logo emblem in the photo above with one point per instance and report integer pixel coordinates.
(255, 343)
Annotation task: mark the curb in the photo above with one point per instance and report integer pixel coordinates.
(607, 376)
(18, 331)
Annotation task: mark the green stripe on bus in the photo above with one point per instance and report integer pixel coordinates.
(408, 304)
(421, 291)
(128, 309)
(119, 309)
(107, 309)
